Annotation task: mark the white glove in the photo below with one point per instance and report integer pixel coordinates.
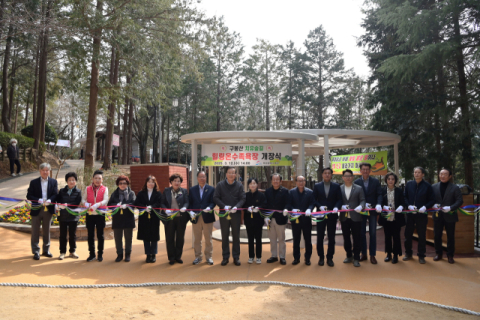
(168, 212)
(87, 205)
(422, 209)
(335, 209)
(378, 208)
(234, 209)
(324, 208)
(57, 208)
(255, 209)
(124, 206)
(446, 209)
(183, 209)
(48, 202)
(368, 206)
(399, 209)
(94, 207)
(295, 210)
(436, 206)
(206, 209)
(345, 207)
(40, 201)
(149, 208)
(358, 209)
(119, 204)
(267, 220)
(250, 209)
(192, 214)
(386, 208)
(227, 207)
(308, 213)
(412, 208)
(285, 212)
(62, 206)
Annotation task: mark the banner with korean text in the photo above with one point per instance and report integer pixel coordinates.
(378, 160)
(246, 155)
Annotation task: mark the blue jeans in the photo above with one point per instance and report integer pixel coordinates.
(150, 247)
(372, 227)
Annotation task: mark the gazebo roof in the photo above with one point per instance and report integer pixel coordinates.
(246, 137)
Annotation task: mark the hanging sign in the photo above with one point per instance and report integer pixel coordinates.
(218, 155)
(378, 160)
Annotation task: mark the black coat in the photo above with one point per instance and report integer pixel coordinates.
(34, 193)
(256, 199)
(182, 201)
(399, 201)
(148, 228)
(13, 152)
(374, 194)
(279, 202)
(127, 219)
(206, 201)
(74, 198)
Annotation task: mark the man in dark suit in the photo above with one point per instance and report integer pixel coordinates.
(352, 199)
(449, 198)
(42, 192)
(278, 198)
(328, 197)
(301, 200)
(201, 197)
(373, 196)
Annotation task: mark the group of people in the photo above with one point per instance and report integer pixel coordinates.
(390, 206)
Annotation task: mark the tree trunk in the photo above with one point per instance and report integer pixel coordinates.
(6, 62)
(107, 162)
(34, 108)
(130, 131)
(12, 83)
(168, 138)
(93, 102)
(267, 96)
(16, 119)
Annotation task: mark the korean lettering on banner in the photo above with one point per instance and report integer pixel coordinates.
(378, 161)
(246, 155)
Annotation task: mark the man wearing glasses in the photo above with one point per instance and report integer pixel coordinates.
(351, 220)
(302, 201)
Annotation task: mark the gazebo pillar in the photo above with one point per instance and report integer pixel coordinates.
(395, 158)
(194, 162)
(326, 152)
(301, 158)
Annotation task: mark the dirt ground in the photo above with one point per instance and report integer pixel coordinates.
(209, 302)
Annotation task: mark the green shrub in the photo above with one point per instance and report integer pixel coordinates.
(23, 142)
(50, 134)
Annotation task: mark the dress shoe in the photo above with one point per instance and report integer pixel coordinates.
(224, 262)
(47, 254)
(153, 258)
(127, 257)
(91, 257)
(171, 262)
(363, 257)
(330, 263)
(321, 262)
(373, 260)
(179, 261)
(210, 261)
(356, 263)
(348, 260)
(62, 256)
(237, 262)
(295, 262)
(422, 260)
(36, 256)
(197, 261)
(407, 257)
(307, 262)
(388, 258)
(149, 258)
(395, 259)
(283, 261)
(450, 260)
(272, 260)
(438, 257)
(119, 258)
(100, 257)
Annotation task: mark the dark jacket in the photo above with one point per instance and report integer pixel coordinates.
(229, 194)
(452, 198)
(334, 199)
(374, 194)
(148, 225)
(357, 198)
(34, 193)
(127, 219)
(419, 194)
(279, 202)
(255, 199)
(74, 198)
(399, 201)
(302, 202)
(206, 201)
(13, 152)
(182, 201)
